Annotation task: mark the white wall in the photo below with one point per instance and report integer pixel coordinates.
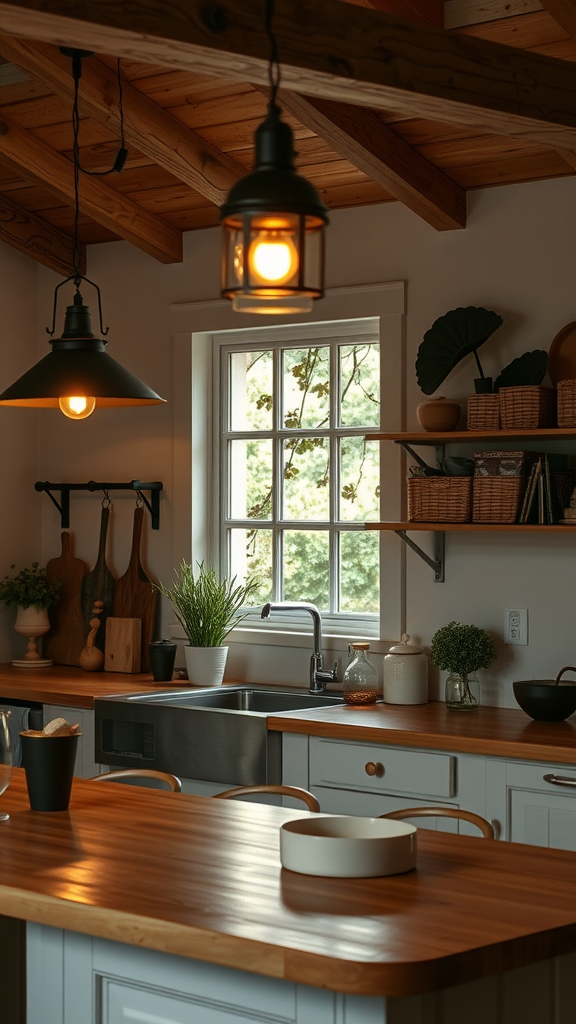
(20, 535)
(517, 256)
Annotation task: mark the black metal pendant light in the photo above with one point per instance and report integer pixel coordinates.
(273, 222)
(78, 375)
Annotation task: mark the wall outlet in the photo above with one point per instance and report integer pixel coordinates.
(516, 626)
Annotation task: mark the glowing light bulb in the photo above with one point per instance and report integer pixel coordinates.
(77, 407)
(273, 258)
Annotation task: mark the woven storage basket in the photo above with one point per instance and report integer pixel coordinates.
(439, 499)
(496, 499)
(483, 412)
(526, 408)
(566, 403)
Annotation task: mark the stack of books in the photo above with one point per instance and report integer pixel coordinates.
(548, 490)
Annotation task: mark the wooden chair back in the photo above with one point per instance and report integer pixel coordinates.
(171, 781)
(294, 791)
(485, 827)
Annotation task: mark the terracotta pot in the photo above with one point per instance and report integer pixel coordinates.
(438, 414)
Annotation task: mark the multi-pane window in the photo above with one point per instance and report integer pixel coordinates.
(298, 478)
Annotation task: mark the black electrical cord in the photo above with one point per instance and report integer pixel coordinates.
(122, 154)
(273, 66)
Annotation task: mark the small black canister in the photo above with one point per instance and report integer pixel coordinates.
(162, 657)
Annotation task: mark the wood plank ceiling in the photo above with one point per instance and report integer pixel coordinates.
(189, 136)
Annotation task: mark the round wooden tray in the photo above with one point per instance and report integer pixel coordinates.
(562, 354)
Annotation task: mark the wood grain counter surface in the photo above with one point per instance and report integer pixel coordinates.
(497, 732)
(202, 878)
(71, 686)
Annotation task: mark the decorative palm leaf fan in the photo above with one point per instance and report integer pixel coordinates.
(458, 333)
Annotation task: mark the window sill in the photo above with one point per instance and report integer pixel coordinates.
(293, 639)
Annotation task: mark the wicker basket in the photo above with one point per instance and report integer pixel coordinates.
(496, 499)
(483, 412)
(566, 403)
(526, 408)
(439, 499)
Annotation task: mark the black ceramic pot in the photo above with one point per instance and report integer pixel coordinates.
(483, 385)
(547, 700)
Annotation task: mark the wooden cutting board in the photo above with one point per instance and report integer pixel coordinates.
(67, 635)
(98, 585)
(135, 596)
(123, 638)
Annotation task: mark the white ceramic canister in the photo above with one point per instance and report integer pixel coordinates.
(406, 674)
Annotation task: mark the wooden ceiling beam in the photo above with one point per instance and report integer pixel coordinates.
(38, 239)
(430, 12)
(151, 130)
(104, 204)
(332, 50)
(564, 12)
(363, 139)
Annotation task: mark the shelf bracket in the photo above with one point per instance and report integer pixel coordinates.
(439, 448)
(63, 506)
(436, 563)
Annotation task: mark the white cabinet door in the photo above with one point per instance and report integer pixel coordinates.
(540, 811)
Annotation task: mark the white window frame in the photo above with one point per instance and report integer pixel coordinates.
(196, 328)
(332, 333)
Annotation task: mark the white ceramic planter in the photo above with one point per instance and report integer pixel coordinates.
(205, 665)
(32, 622)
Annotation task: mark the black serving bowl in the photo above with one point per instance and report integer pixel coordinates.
(545, 700)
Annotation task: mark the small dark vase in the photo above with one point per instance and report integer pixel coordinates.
(483, 385)
(162, 656)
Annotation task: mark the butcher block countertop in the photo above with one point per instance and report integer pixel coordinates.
(202, 878)
(70, 686)
(497, 732)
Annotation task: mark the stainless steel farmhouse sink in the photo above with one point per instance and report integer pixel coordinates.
(212, 735)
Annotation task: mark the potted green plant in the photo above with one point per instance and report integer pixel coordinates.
(208, 608)
(461, 651)
(32, 593)
(461, 332)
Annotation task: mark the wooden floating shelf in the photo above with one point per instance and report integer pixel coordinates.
(475, 436)
(476, 527)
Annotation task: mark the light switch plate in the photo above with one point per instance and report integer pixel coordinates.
(516, 626)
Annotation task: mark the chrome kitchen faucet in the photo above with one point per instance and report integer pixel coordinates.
(318, 676)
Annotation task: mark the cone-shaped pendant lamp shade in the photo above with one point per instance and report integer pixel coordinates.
(78, 365)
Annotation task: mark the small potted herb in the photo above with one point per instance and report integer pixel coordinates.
(461, 651)
(32, 593)
(208, 608)
(29, 588)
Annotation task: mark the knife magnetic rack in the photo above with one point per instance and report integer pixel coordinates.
(63, 506)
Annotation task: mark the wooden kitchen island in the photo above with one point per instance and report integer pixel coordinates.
(152, 906)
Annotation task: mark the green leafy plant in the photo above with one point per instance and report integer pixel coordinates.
(29, 587)
(462, 649)
(207, 607)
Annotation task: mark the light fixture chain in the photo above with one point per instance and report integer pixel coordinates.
(273, 66)
(76, 158)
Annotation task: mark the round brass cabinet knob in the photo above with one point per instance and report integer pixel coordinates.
(374, 768)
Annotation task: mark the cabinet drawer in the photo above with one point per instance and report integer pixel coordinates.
(348, 765)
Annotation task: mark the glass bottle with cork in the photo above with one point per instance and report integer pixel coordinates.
(360, 684)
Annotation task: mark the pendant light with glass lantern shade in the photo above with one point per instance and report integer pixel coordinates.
(78, 375)
(273, 221)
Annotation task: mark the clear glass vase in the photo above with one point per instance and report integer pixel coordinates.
(462, 691)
